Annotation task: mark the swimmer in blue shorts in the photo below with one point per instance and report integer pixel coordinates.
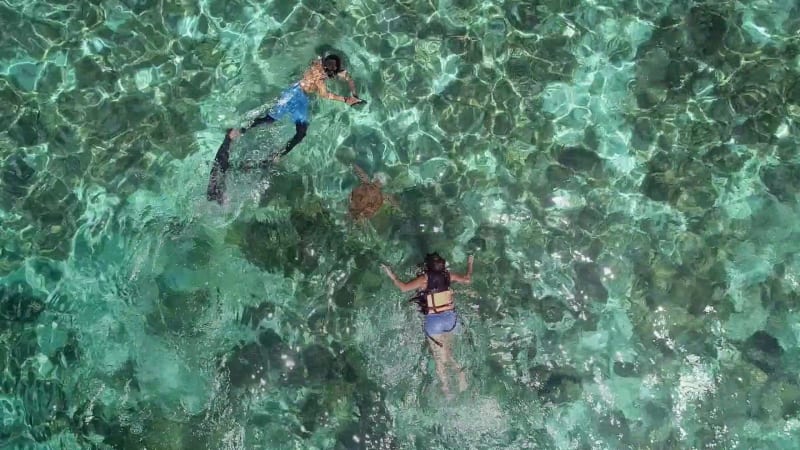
(294, 102)
(435, 301)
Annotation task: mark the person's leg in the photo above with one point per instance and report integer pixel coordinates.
(283, 106)
(266, 120)
(462, 377)
(441, 364)
(300, 132)
(299, 110)
(447, 359)
(216, 183)
(221, 164)
(436, 327)
(223, 153)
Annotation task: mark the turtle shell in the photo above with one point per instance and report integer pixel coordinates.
(365, 200)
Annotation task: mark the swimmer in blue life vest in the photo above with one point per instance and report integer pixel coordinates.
(293, 102)
(435, 300)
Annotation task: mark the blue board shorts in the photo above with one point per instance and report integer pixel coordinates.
(440, 323)
(293, 101)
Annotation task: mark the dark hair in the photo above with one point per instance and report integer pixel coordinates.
(435, 263)
(332, 65)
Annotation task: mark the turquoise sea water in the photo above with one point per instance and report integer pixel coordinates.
(625, 172)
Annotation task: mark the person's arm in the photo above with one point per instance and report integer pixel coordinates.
(345, 75)
(416, 283)
(466, 279)
(322, 90)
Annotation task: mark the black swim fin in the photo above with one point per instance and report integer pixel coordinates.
(216, 185)
(216, 182)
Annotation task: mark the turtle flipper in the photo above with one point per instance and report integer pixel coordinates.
(361, 174)
(392, 200)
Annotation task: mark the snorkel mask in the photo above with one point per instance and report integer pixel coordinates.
(332, 65)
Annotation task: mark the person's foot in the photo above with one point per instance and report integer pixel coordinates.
(234, 133)
(447, 394)
(462, 382)
(216, 196)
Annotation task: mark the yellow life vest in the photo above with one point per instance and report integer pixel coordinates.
(440, 302)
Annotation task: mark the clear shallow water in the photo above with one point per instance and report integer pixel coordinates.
(625, 173)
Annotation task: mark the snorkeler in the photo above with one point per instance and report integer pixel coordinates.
(435, 301)
(294, 101)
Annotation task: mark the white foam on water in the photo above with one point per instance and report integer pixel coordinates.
(695, 384)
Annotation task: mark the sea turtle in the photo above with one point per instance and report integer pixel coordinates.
(367, 198)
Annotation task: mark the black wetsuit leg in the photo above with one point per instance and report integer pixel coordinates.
(216, 182)
(267, 119)
(300, 132)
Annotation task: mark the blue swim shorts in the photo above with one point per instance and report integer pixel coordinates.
(293, 101)
(440, 323)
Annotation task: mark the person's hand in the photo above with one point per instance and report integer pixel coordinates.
(470, 260)
(234, 133)
(387, 270)
(352, 100)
